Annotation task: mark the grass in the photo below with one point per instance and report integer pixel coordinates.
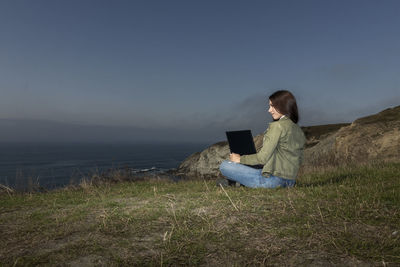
(348, 216)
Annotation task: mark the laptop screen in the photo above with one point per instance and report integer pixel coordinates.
(241, 142)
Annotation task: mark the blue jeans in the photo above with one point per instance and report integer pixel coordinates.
(252, 177)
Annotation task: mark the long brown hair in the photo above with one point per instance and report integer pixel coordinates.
(285, 103)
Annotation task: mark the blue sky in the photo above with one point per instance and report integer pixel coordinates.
(189, 70)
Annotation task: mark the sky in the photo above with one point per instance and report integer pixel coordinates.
(187, 71)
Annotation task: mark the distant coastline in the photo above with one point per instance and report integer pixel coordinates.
(54, 165)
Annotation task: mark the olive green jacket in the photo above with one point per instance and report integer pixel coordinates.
(282, 150)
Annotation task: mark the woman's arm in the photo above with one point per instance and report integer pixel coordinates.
(234, 157)
(271, 139)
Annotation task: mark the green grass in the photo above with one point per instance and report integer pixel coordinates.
(347, 216)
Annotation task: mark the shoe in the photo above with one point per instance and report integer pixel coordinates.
(224, 182)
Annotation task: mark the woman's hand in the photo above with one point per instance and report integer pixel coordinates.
(234, 157)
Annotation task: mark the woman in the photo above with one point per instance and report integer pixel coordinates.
(281, 153)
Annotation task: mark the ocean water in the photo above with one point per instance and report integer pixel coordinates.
(57, 165)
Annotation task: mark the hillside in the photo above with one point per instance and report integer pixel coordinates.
(368, 139)
(315, 133)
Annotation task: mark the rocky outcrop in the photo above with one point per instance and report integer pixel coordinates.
(205, 164)
(372, 138)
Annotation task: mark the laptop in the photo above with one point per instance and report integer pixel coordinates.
(242, 143)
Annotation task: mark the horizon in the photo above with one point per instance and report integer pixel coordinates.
(175, 71)
(88, 140)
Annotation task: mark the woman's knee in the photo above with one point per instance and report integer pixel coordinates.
(227, 167)
(224, 165)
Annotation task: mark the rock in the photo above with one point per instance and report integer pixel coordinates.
(372, 138)
(205, 164)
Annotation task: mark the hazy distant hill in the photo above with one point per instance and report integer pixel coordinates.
(26, 130)
(371, 138)
(29, 130)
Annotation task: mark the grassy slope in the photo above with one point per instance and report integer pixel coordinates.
(346, 217)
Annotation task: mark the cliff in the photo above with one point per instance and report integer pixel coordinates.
(368, 139)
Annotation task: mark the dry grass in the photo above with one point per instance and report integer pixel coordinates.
(346, 217)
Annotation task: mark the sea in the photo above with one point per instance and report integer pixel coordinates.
(55, 165)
